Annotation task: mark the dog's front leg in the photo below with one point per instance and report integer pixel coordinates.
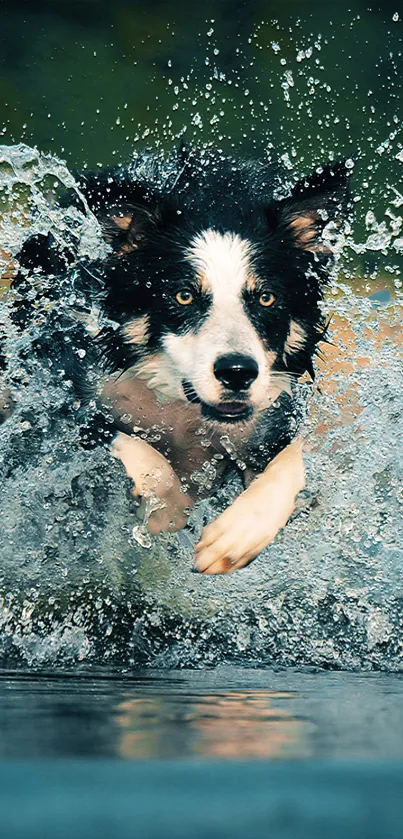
(255, 517)
(155, 481)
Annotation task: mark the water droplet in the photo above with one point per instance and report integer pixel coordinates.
(141, 535)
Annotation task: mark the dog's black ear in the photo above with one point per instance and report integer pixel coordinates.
(315, 202)
(127, 226)
(126, 211)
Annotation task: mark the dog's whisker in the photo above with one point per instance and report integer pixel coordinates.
(286, 375)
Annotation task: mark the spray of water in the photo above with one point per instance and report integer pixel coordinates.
(80, 578)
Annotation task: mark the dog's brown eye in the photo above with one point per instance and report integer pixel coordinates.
(184, 297)
(266, 299)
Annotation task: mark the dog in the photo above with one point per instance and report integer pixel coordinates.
(185, 344)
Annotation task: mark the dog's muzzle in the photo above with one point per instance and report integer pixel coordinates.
(236, 373)
(226, 411)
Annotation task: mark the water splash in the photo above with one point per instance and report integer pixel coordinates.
(80, 579)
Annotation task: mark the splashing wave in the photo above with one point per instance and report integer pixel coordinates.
(75, 586)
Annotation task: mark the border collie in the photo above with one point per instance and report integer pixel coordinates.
(186, 342)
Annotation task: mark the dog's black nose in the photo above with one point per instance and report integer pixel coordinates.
(236, 371)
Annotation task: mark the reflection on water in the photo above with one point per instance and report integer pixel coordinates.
(251, 724)
(223, 714)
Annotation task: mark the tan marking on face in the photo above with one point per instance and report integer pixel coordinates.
(136, 331)
(295, 340)
(204, 283)
(123, 222)
(127, 248)
(252, 282)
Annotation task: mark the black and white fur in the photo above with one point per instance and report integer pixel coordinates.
(211, 297)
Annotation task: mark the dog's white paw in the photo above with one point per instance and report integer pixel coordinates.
(241, 533)
(165, 504)
(254, 519)
(169, 510)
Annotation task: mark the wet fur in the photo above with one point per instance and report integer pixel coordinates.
(218, 229)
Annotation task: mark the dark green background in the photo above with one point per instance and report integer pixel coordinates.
(89, 80)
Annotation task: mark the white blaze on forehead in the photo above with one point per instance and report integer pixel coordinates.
(221, 261)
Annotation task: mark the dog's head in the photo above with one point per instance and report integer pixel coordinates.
(217, 285)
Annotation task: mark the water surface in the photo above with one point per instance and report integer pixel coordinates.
(223, 714)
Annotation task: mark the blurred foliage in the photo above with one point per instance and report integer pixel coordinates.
(89, 80)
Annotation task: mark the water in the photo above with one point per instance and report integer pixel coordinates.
(226, 714)
(75, 586)
(223, 752)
